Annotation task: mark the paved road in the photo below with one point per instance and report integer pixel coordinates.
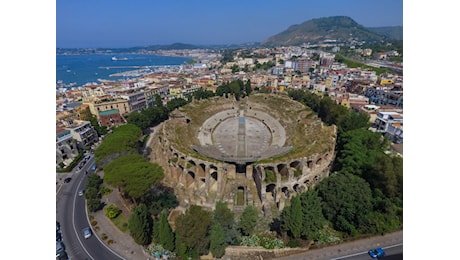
(71, 214)
(391, 243)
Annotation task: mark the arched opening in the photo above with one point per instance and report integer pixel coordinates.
(285, 190)
(189, 178)
(214, 175)
(240, 196)
(295, 165)
(310, 164)
(283, 170)
(318, 162)
(270, 175)
(200, 170)
(297, 188)
(271, 188)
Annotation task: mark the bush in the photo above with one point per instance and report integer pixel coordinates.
(103, 190)
(112, 211)
(110, 241)
(103, 236)
(294, 243)
(93, 223)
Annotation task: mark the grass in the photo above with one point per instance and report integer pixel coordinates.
(121, 222)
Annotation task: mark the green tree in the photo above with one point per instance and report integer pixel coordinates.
(175, 103)
(312, 216)
(218, 244)
(165, 233)
(248, 220)
(358, 150)
(133, 174)
(140, 225)
(346, 199)
(225, 217)
(292, 218)
(192, 230)
(139, 119)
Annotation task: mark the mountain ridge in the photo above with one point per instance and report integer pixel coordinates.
(339, 28)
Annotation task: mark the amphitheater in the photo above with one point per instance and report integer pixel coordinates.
(258, 151)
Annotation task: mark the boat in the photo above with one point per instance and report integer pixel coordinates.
(115, 58)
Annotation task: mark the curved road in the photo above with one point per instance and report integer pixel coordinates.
(71, 214)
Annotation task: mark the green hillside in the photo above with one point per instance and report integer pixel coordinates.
(339, 28)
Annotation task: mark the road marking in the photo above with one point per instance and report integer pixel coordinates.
(73, 221)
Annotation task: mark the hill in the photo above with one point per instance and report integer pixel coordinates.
(339, 28)
(392, 32)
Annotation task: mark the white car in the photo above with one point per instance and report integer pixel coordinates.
(80, 192)
(87, 232)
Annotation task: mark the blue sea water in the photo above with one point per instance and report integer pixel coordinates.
(81, 69)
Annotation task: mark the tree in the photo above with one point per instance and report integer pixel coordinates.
(225, 217)
(165, 233)
(140, 225)
(139, 119)
(133, 174)
(248, 220)
(218, 244)
(346, 199)
(292, 218)
(312, 215)
(192, 230)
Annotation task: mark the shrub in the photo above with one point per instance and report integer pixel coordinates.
(105, 190)
(112, 211)
(93, 223)
(103, 236)
(110, 241)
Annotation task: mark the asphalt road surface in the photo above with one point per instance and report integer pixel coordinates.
(71, 214)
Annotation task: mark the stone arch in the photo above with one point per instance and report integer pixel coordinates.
(286, 191)
(310, 164)
(191, 164)
(283, 170)
(316, 179)
(271, 188)
(296, 165)
(270, 173)
(318, 162)
(214, 175)
(296, 188)
(240, 199)
(189, 178)
(200, 170)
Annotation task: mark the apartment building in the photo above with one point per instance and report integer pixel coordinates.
(83, 132)
(66, 146)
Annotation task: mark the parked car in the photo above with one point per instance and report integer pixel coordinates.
(377, 252)
(58, 236)
(87, 232)
(60, 250)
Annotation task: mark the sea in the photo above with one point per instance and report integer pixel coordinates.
(80, 69)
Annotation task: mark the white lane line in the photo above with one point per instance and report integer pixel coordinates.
(73, 221)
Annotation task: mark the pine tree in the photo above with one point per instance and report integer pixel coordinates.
(218, 243)
(140, 225)
(248, 220)
(166, 235)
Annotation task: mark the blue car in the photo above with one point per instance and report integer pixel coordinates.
(377, 253)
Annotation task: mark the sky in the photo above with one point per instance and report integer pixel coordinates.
(121, 23)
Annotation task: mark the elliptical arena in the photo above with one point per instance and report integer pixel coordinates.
(259, 151)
